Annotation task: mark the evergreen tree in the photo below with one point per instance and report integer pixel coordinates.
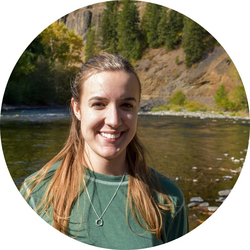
(162, 26)
(153, 18)
(90, 49)
(193, 41)
(108, 28)
(129, 32)
(173, 29)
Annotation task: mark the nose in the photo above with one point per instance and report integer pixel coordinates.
(113, 117)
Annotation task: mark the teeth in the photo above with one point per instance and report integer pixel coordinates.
(110, 136)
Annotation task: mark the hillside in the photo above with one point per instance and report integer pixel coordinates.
(161, 75)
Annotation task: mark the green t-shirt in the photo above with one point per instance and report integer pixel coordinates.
(115, 232)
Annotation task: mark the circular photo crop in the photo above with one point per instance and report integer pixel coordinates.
(125, 125)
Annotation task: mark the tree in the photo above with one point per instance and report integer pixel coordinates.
(193, 41)
(108, 28)
(90, 49)
(238, 98)
(151, 18)
(61, 45)
(174, 28)
(42, 74)
(221, 98)
(129, 32)
(162, 26)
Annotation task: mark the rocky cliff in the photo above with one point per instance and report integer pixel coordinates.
(162, 73)
(81, 19)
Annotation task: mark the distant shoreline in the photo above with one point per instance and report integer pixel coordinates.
(198, 114)
(6, 107)
(201, 115)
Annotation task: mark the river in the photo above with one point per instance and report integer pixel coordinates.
(195, 153)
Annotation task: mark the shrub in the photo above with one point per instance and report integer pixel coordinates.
(177, 59)
(179, 98)
(176, 74)
(192, 109)
(164, 107)
(149, 56)
(238, 98)
(194, 106)
(221, 99)
(177, 108)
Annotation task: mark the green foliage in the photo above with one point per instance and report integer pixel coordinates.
(164, 107)
(174, 28)
(150, 20)
(162, 27)
(177, 59)
(42, 74)
(221, 98)
(194, 106)
(235, 100)
(61, 45)
(108, 35)
(90, 50)
(129, 33)
(179, 98)
(176, 74)
(193, 41)
(238, 98)
(24, 65)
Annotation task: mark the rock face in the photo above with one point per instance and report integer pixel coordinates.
(79, 22)
(81, 19)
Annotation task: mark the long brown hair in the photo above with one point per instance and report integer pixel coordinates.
(67, 181)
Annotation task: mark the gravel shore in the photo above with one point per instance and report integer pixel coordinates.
(201, 115)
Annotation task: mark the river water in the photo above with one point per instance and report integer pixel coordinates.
(189, 151)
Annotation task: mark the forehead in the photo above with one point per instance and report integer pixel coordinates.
(111, 84)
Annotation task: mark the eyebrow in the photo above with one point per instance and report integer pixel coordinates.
(99, 98)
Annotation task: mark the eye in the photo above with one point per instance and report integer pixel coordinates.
(98, 105)
(127, 105)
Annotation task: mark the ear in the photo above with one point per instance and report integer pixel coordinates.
(76, 108)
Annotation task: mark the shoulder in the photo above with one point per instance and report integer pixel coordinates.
(50, 173)
(176, 223)
(167, 187)
(34, 178)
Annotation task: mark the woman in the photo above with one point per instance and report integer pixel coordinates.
(98, 189)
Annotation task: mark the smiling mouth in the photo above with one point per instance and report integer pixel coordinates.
(110, 136)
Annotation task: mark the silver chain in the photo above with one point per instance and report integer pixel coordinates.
(99, 221)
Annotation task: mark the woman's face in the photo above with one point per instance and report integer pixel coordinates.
(108, 110)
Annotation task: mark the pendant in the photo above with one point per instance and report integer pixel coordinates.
(99, 222)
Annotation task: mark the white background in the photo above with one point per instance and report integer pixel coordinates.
(22, 21)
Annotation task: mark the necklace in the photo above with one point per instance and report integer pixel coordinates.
(99, 221)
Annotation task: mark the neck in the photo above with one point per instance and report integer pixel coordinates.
(98, 164)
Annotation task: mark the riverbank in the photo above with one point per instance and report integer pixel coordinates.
(6, 107)
(201, 115)
(145, 108)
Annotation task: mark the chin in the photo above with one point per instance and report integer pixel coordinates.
(111, 154)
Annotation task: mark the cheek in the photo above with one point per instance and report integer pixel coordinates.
(90, 122)
(132, 121)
